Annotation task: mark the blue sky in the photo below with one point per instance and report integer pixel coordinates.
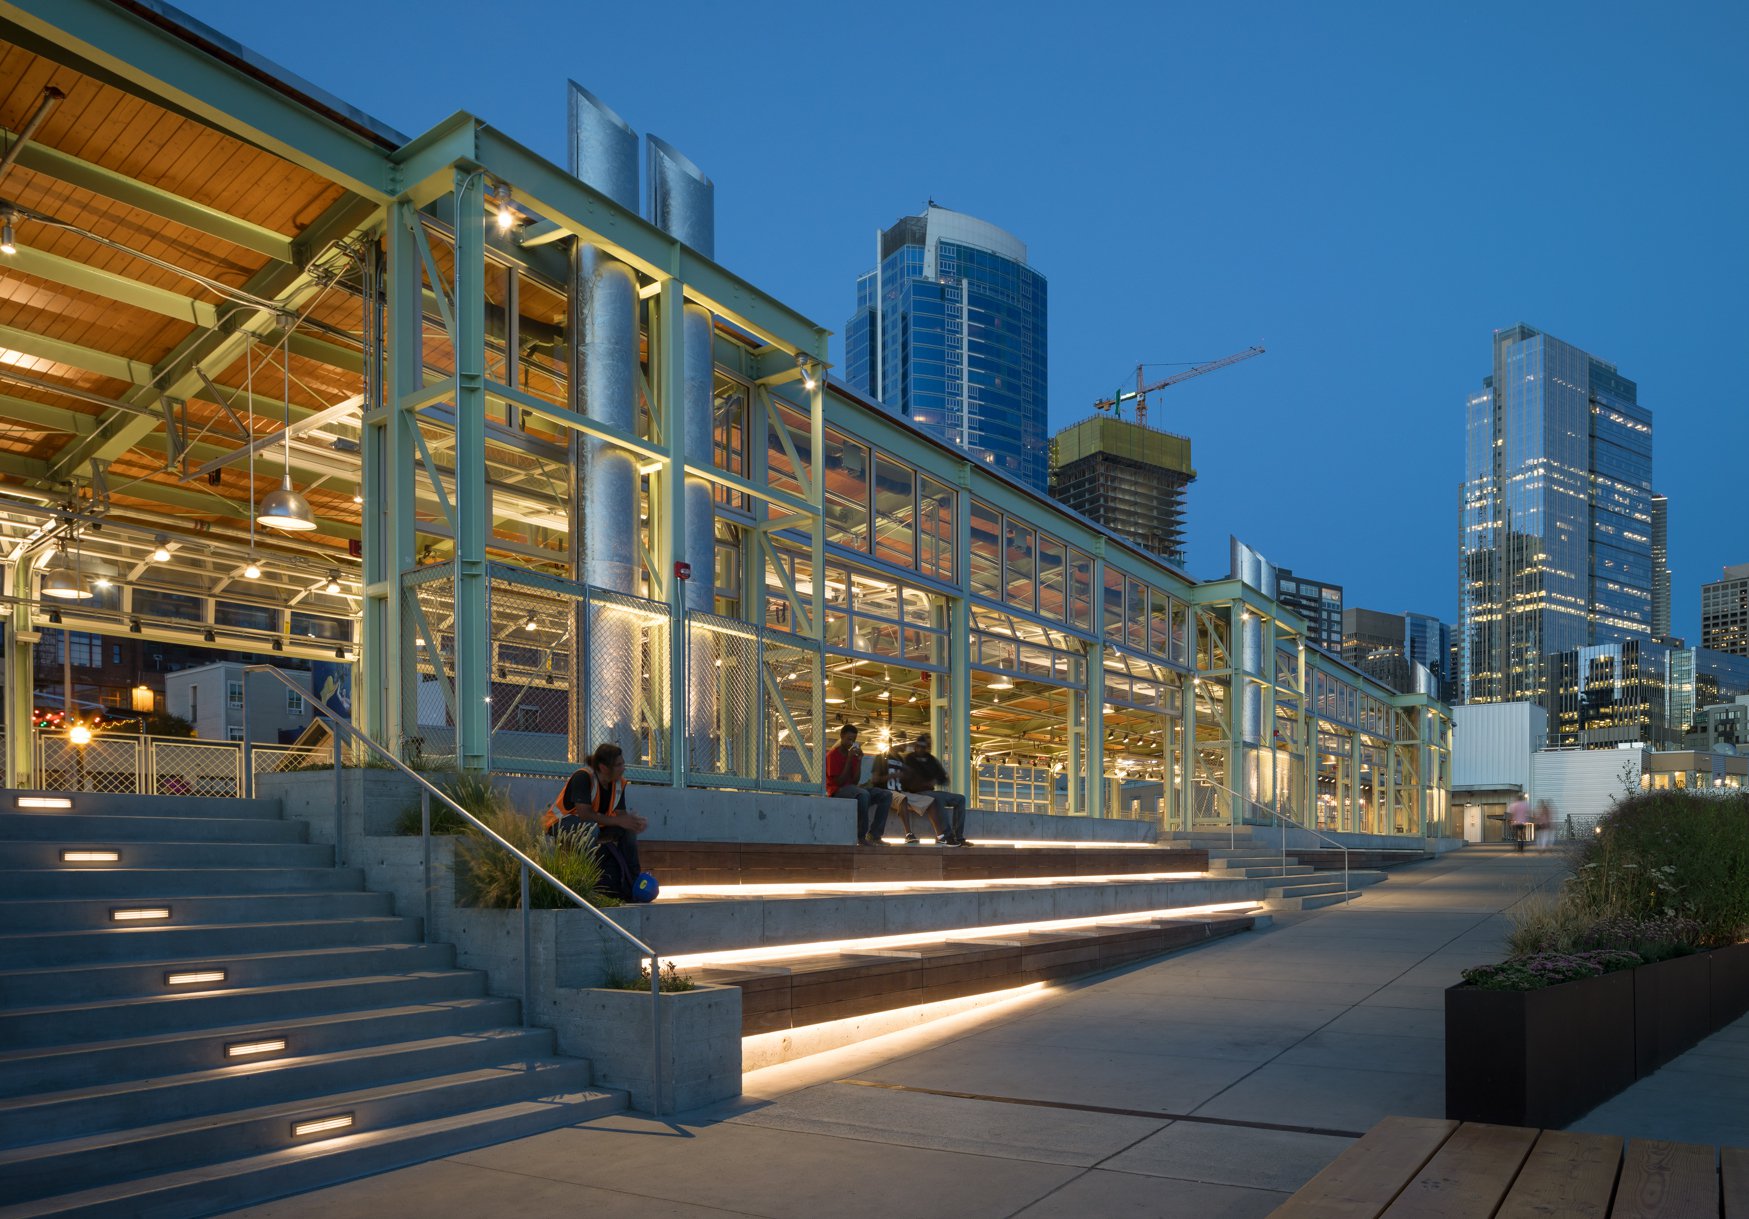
(1367, 189)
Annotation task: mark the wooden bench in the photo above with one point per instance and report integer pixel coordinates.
(1431, 1168)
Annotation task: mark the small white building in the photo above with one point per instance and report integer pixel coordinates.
(211, 697)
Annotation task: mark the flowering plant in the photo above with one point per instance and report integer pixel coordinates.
(1542, 969)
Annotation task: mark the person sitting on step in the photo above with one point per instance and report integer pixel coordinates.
(844, 781)
(596, 796)
(923, 775)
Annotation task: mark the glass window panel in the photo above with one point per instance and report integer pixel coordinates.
(729, 437)
(315, 626)
(1113, 602)
(1180, 632)
(1052, 577)
(155, 603)
(1018, 554)
(986, 551)
(245, 617)
(782, 473)
(895, 508)
(935, 502)
(846, 491)
(917, 606)
(1080, 590)
(1158, 621)
(1136, 616)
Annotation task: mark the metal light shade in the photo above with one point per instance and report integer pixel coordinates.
(65, 585)
(285, 509)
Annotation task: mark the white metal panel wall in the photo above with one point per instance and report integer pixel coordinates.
(1492, 743)
(1583, 782)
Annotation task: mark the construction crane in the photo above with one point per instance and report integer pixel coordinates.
(1139, 395)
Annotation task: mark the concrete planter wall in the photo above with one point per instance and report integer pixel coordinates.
(1547, 1057)
(701, 1043)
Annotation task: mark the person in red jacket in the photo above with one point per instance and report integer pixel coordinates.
(844, 781)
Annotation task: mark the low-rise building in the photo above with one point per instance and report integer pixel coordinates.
(212, 698)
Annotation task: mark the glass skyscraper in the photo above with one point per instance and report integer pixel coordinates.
(949, 331)
(1555, 532)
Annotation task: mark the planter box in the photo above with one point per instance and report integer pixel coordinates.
(1538, 1057)
(1672, 1009)
(701, 1043)
(1730, 984)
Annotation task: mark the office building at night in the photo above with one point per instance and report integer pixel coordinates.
(1724, 612)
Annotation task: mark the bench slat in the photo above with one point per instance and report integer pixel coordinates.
(1661, 1180)
(1568, 1176)
(1734, 1174)
(1468, 1176)
(1364, 1180)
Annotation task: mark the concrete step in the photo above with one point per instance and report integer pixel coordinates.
(210, 1190)
(183, 856)
(146, 979)
(72, 1024)
(1282, 905)
(1310, 889)
(1238, 868)
(50, 1117)
(93, 1160)
(94, 914)
(1242, 852)
(65, 1069)
(76, 881)
(78, 829)
(148, 943)
(117, 804)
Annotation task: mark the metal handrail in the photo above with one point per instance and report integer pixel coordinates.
(1232, 825)
(427, 791)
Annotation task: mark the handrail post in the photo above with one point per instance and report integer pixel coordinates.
(527, 965)
(425, 832)
(248, 749)
(339, 816)
(656, 1072)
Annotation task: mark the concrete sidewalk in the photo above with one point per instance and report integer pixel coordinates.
(1209, 1084)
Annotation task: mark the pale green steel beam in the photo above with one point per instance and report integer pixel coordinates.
(424, 163)
(89, 359)
(160, 62)
(959, 679)
(161, 203)
(473, 627)
(110, 286)
(20, 678)
(43, 415)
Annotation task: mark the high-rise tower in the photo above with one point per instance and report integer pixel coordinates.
(1554, 542)
(949, 331)
(1660, 568)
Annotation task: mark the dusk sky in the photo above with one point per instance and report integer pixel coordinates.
(1368, 190)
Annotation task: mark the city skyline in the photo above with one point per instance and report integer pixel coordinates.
(1252, 188)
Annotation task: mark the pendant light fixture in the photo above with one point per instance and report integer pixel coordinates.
(285, 509)
(63, 582)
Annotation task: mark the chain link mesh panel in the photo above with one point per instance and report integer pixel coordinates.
(723, 700)
(626, 680)
(793, 757)
(533, 657)
(187, 768)
(428, 682)
(107, 764)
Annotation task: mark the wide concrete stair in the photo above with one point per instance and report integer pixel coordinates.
(1289, 886)
(218, 1016)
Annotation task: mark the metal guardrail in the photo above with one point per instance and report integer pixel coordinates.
(1233, 833)
(429, 791)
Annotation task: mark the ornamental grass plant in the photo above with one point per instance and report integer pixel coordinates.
(489, 876)
(1666, 874)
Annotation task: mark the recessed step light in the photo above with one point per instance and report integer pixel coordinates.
(139, 914)
(340, 1121)
(245, 1049)
(90, 856)
(43, 802)
(193, 977)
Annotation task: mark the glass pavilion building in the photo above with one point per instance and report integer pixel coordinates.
(1555, 532)
(564, 479)
(950, 332)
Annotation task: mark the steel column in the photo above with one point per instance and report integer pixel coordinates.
(959, 668)
(20, 678)
(389, 478)
(668, 364)
(473, 640)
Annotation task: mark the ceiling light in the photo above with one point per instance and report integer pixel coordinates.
(252, 571)
(333, 585)
(209, 637)
(357, 498)
(7, 245)
(528, 623)
(161, 549)
(506, 213)
(65, 585)
(1001, 683)
(285, 509)
(807, 370)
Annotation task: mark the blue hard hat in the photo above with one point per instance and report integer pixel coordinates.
(645, 888)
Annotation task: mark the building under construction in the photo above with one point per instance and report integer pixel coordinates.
(1129, 477)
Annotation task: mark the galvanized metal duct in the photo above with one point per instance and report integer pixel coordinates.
(682, 200)
(698, 337)
(605, 501)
